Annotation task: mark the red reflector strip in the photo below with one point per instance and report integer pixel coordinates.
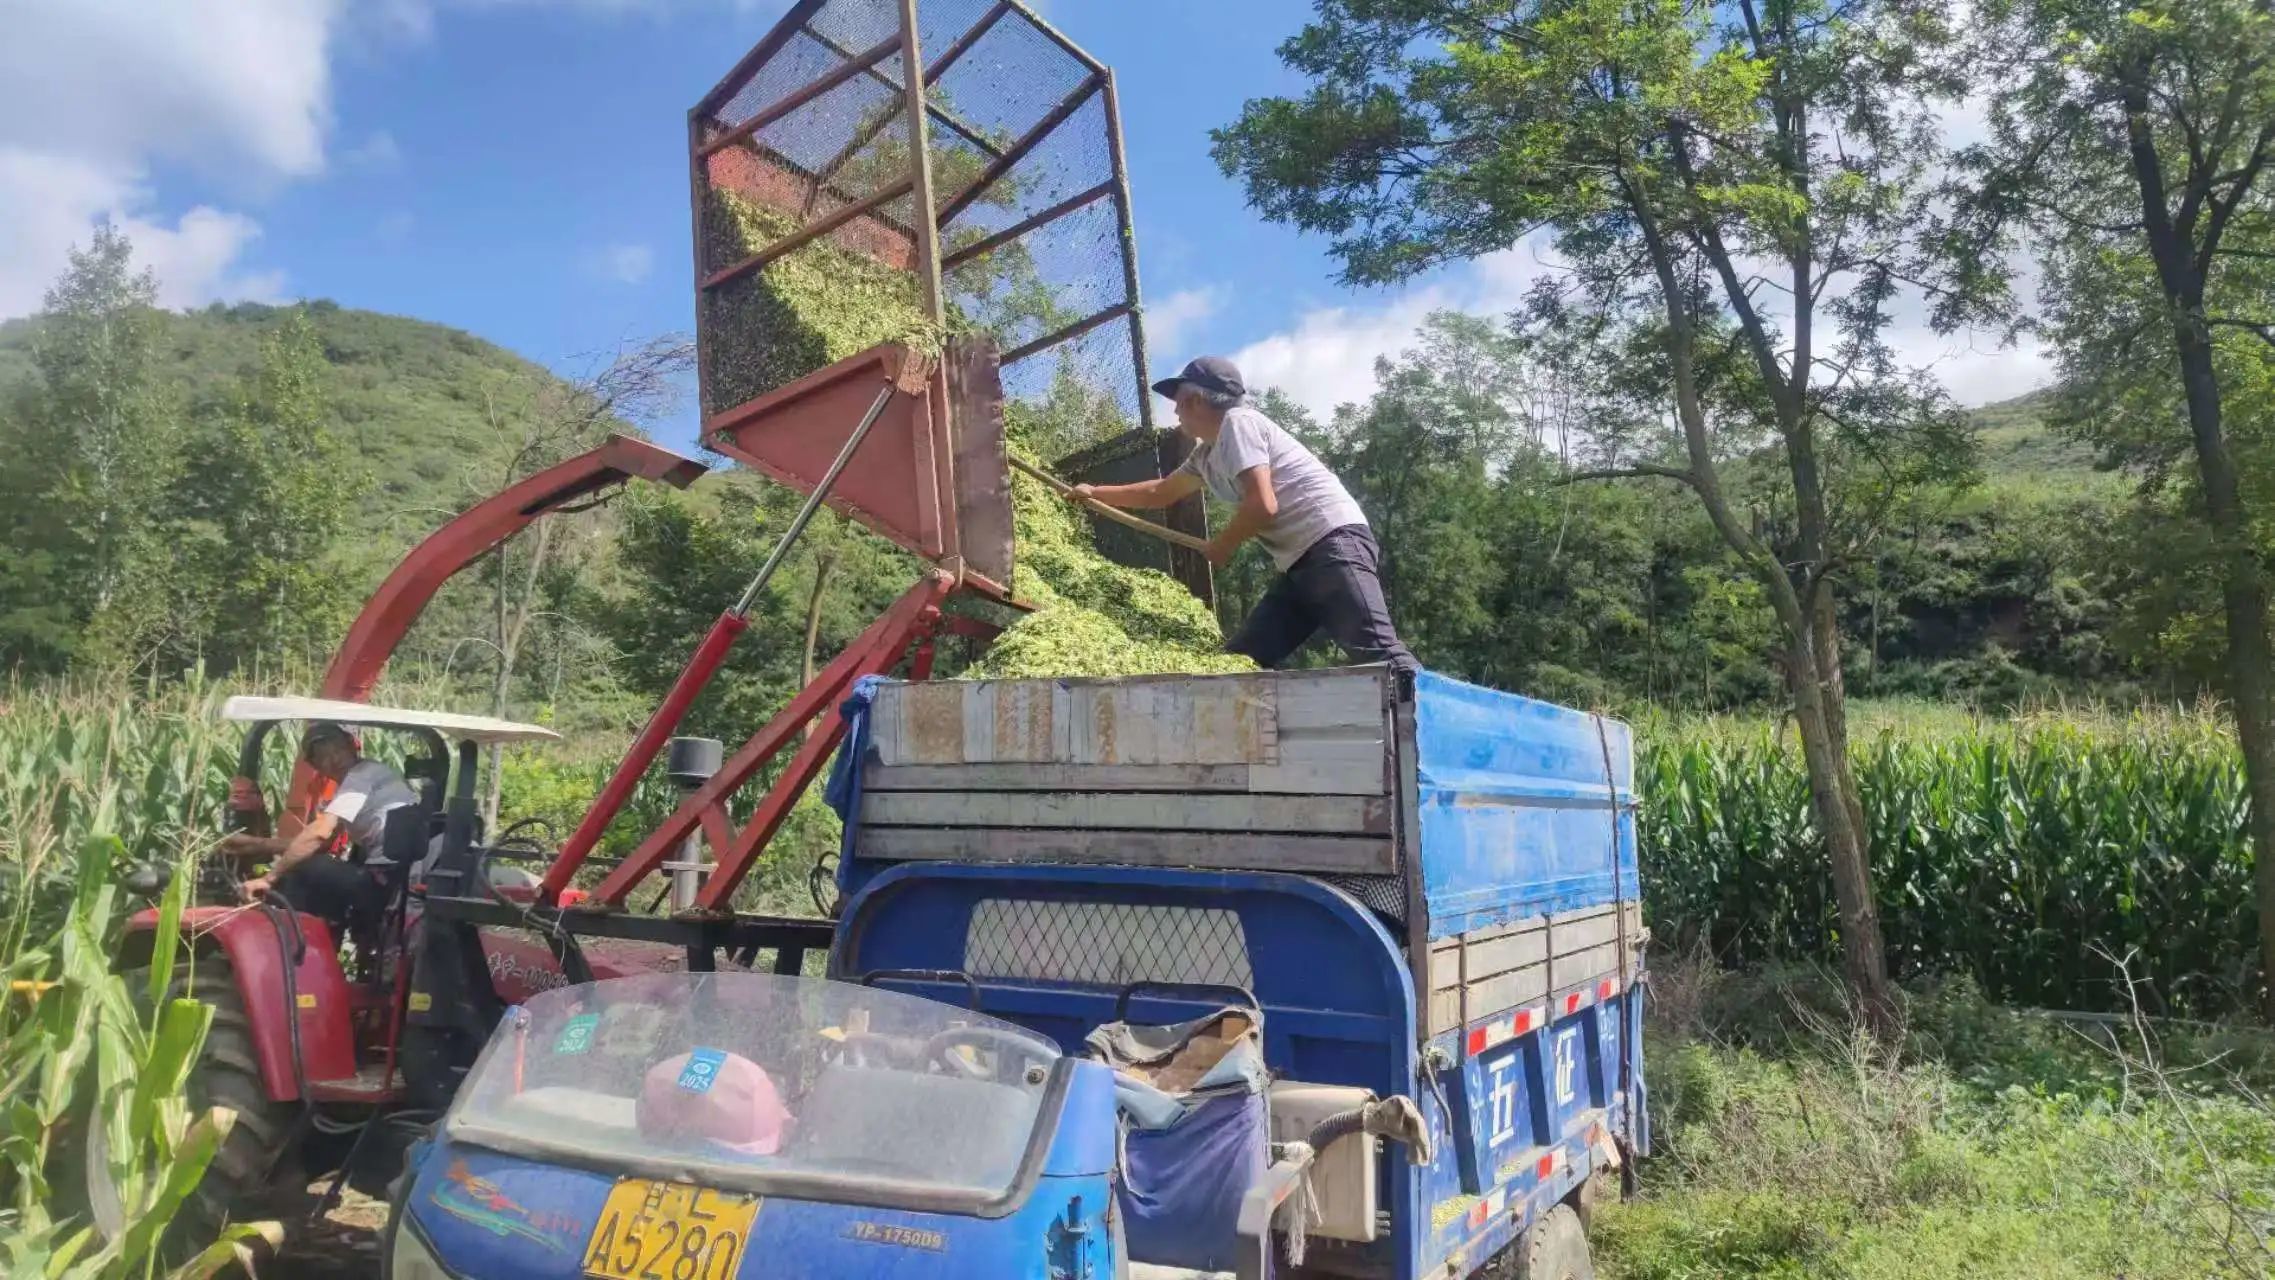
(1546, 1166)
(1485, 1035)
(1572, 1003)
(1605, 988)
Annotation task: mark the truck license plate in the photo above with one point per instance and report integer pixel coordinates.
(652, 1230)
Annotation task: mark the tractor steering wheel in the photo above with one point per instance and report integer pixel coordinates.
(1023, 1048)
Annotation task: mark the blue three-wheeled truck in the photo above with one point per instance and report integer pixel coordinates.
(1306, 973)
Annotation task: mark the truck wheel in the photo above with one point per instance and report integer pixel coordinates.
(253, 1175)
(1556, 1248)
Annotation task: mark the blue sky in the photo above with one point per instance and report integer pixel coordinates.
(516, 168)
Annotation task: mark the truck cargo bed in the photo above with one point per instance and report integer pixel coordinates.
(1493, 829)
(1264, 772)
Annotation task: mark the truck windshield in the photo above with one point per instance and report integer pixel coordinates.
(763, 1083)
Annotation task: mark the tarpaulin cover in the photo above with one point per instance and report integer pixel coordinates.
(1191, 1150)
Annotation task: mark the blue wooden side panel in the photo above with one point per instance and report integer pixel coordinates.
(1518, 1131)
(1515, 813)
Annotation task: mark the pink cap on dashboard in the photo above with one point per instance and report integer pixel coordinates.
(710, 1095)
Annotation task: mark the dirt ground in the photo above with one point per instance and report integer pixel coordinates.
(343, 1245)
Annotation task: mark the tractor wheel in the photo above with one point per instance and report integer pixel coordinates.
(1555, 1248)
(257, 1173)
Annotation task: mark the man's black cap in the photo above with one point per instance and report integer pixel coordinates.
(323, 731)
(1209, 373)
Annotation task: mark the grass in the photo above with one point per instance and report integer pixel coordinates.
(1987, 1143)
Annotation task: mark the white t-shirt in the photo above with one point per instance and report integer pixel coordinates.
(368, 790)
(1312, 501)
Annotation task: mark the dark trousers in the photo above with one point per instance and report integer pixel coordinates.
(1335, 587)
(333, 889)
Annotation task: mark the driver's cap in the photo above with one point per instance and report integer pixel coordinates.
(710, 1095)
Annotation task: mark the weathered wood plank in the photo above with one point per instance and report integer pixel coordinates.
(1173, 722)
(1308, 703)
(1335, 855)
(1568, 936)
(925, 723)
(1326, 815)
(1169, 778)
(1499, 955)
(1325, 767)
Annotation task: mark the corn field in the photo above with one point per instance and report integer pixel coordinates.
(151, 771)
(152, 768)
(2031, 856)
(2028, 855)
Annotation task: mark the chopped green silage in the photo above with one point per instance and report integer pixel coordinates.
(809, 308)
(824, 302)
(1095, 617)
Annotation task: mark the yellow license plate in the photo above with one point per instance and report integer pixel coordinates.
(669, 1231)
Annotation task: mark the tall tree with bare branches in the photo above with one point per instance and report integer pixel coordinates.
(1727, 188)
(2134, 146)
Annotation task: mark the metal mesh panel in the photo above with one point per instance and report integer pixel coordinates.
(1383, 895)
(1106, 943)
(803, 165)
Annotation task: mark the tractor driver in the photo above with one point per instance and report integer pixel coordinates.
(302, 871)
(1330, 568)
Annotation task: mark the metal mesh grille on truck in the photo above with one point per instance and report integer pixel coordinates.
(1106, 943)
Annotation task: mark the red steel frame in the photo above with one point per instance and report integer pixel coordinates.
(388, 615)
(390, 612)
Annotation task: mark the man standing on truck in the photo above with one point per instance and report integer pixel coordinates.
(302, 869)
(1330, 568)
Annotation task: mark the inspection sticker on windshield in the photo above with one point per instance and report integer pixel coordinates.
(576, 1037)
(702, 1070)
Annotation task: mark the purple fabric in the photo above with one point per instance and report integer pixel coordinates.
(1182, 1187)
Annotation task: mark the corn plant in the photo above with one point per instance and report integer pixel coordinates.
(2033, 857)
(93, 1072)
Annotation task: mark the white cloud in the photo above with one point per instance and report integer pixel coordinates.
(1171, 324)
(232, 88)
(414, 20)
(379, 153)
(95, 93)
(52, 203)
(622, 263)
(1974, 368)
(1328, 357)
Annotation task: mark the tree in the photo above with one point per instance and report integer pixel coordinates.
(269, 487)
(540, 425)
(93, 448)
(2134, 143)
(1728, 188)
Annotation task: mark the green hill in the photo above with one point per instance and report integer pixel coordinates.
(2021, 450)
(417, 400)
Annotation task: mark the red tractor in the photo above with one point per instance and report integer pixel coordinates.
(327, 1048)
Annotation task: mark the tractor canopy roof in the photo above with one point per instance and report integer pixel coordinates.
(480, 729)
